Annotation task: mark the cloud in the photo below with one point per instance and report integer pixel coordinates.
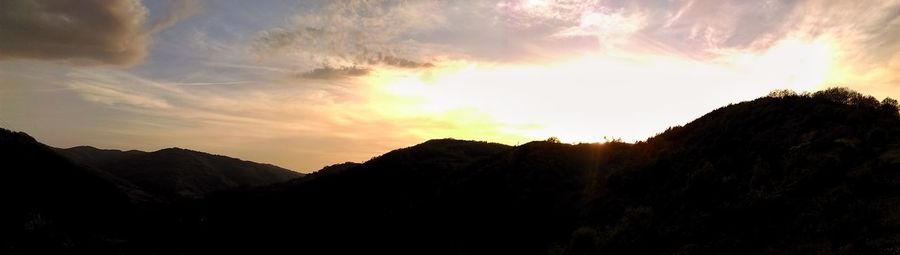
(865, 36)
(398, 62)
(347, 33)
(862, 38)
(110, 94)
(108, 90)
(328, 73)
(177, 11)
(87, 32)
(351, 34)
(868, 31)
(698, 26)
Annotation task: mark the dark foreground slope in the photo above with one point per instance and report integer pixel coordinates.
(52, 206)
(392, 196)
(172, 174)
(816, 174)
(789, 175)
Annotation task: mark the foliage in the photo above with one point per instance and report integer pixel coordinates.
(841, 95)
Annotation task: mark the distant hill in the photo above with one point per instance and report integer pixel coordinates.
(337, 168)
(785, 174)
(94, 157)
(178, 173)
(84, 200)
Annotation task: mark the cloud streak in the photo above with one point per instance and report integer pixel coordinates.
(114, 95)
(177, 11)
(352, 35)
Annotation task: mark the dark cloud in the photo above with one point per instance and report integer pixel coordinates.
(331, 73)
(81, 32)
(354, 33)
(324, 47)
(353, 55)
(399, 62)
(328, 73)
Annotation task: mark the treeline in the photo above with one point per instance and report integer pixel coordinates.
(841, 95)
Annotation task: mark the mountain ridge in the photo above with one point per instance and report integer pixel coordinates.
(772, 175)
(812, 173)
(177, 173)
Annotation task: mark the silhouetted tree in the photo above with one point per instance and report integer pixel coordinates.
(890, 104)
(782, 93)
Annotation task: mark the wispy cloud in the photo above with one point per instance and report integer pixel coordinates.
(115, 95)
(109, 90)
(208, 83)
(352, 35)
(177, 11)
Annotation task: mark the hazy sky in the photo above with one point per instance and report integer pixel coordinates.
(303, 84)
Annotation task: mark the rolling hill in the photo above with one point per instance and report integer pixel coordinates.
(53, 206)
(85, 200)
(784, 174)
(175, 173)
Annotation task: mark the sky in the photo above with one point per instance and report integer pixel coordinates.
(304, 84)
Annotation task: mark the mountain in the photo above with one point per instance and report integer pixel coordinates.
(337, 168)
(53, 206)
(786, 174)
(94, 157)
(327, 208)
(85, 200)
(172, 174)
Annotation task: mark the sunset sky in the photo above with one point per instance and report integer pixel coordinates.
(303, 84)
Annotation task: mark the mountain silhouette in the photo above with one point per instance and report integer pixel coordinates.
(53, 206)
(176, 173)
(811, 173)
(785, 174)
(88, 200)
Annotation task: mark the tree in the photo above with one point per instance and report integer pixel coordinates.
(890, 104)
(782, 93)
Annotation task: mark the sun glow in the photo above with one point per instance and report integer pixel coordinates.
(595, 97)
(331, 81)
